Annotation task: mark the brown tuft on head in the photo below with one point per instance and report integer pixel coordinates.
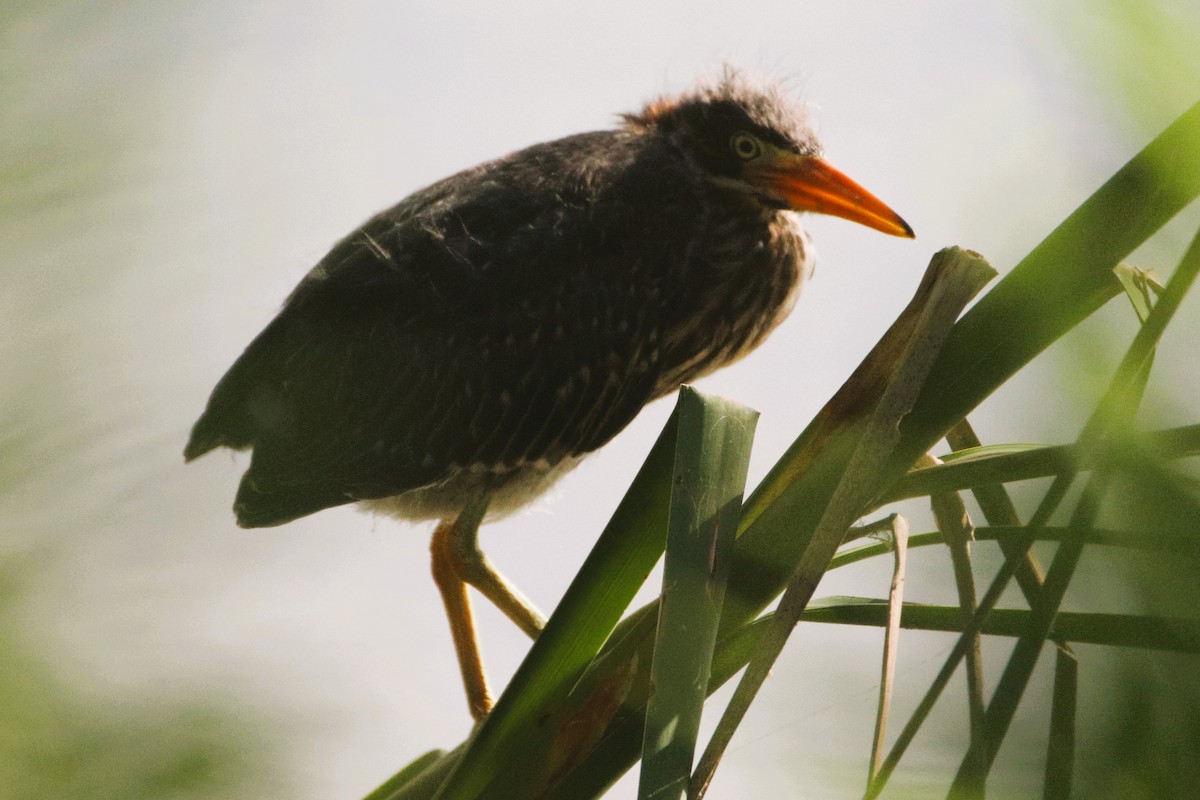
(764, 104)
(650, 113)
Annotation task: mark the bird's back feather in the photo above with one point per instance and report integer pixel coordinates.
(443, 335)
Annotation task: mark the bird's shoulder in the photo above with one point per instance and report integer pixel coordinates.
(533, 217)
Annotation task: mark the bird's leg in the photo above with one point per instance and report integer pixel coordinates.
(458, 561)
(458, 612)
(475, 568)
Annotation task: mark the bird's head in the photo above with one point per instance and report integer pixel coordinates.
(749, 139)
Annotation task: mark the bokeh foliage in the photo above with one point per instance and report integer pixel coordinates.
(76, 139)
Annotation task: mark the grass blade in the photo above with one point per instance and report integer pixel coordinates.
(711, 460)
(950, 514)
(421, 779)
(891, 641)
(998, 509)
(1136, 631)
(1060, 750)
(1140, 287)
(406, 775)
(1179, 544)
(1035, 462)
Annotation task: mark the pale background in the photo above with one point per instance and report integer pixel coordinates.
(172, 170)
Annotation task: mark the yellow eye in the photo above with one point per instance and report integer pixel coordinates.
(745, 145)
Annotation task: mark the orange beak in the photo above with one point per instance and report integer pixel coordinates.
(808, 183)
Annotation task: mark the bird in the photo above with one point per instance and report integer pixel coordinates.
(459, 352)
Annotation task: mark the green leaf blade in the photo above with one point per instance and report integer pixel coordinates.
(711, 461)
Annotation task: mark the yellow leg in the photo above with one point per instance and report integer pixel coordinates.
(475, 568)
(462, 622)
(458, 561)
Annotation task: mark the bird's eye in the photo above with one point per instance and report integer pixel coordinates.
(745, 145)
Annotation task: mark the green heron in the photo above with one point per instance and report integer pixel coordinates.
(459, 352)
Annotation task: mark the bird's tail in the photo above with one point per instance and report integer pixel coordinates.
(207, 435)
(258, 508)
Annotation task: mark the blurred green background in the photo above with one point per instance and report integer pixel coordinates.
(168, 171)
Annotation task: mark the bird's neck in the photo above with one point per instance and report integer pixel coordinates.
(744, 273)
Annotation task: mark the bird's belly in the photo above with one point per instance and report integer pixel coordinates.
(510, 490)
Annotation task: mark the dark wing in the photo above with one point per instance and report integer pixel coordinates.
(425, 344)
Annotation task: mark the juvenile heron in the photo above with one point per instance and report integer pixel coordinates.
(459, 352)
